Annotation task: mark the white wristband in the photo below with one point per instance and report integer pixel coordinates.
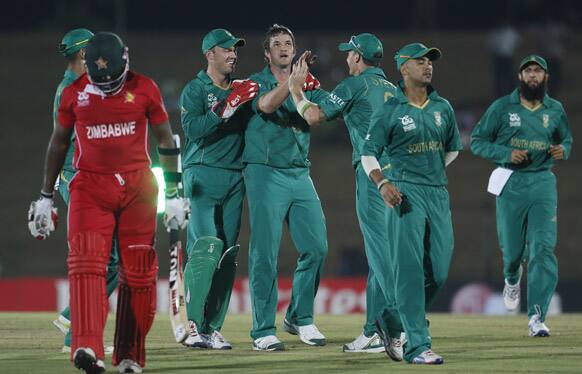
(302, 107)
(381, 183)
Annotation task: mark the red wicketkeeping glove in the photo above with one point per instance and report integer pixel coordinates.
(311, 83)
(242, 91)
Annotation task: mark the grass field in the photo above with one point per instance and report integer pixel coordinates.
(470, 344)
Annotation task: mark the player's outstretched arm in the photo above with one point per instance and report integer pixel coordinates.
(272, 100)
(298, 80)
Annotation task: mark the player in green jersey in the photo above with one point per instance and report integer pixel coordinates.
(524, 134)
(279, 189)
(418, 130)
(72, 47)
(356, 98)
(213, 119)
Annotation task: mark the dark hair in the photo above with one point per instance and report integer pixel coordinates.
(276, 30)
(370, 62)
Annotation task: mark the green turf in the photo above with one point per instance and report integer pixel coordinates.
(30, 344)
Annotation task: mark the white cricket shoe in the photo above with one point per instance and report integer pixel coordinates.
(308, 334)
(62, 324)
(194, 339)
(268, 343)
(362, 343)
(86, 360)
(217, 341)
(537, 327)
(512, 294)
(394, 347)
(129, 366)
(428, 357)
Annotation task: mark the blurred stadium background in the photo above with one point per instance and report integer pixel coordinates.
(482, 43)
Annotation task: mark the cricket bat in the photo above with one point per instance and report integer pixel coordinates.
(176, 296)
(176, 289)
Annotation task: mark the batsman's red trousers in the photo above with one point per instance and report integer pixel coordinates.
(99, 205)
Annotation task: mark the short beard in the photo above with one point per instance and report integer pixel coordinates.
(533, 94)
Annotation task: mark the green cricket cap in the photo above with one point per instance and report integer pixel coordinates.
(222, 38)
(74, 40)
(533, 59)
(416, 50)
(367, 45)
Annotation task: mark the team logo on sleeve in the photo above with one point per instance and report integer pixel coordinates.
(82, 98)
(546, 119)
(514, 120)
(407, 123)
(437, 119)
(336, 99)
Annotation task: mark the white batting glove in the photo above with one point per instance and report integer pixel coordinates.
(177, 213)
(42, 218)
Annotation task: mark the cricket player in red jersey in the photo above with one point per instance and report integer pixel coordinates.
(109, 109)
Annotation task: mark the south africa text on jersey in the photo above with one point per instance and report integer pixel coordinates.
(112, 130)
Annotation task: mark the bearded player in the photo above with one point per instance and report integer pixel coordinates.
(108, 110)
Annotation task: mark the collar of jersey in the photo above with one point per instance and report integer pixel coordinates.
(375, 71)
(514, 98)
(203, 76)
(401, 96)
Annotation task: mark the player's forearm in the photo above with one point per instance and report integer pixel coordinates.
(372, 168)
(311, 112)
(490, 151)
(54, 160)
(199, 126)
(168, 154)
(272, 100)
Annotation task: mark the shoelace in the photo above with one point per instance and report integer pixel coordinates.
(218, 336)
(512, 292)
(396, 342)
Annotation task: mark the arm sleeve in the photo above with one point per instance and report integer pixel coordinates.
(377, 137)
(156, 111)
(336, 102)
(66, 115)
(453, 142)
(564, 136)
(197, 121)
(483, 136)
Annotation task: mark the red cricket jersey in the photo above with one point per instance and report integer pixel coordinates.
(111, 132)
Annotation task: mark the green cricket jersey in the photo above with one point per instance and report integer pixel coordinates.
(68, 78)
(280, 139)
(508, 125)
(415, 138)
(357, 98)
(210, 140)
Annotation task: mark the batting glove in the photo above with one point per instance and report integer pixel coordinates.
(42, 218)
(177, 213)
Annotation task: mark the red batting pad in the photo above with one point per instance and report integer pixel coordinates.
(136, 302)
(88, 257)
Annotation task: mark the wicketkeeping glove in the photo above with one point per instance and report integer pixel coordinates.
(242, 91)
(177, 213)
(311, 83)
(42, 218)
